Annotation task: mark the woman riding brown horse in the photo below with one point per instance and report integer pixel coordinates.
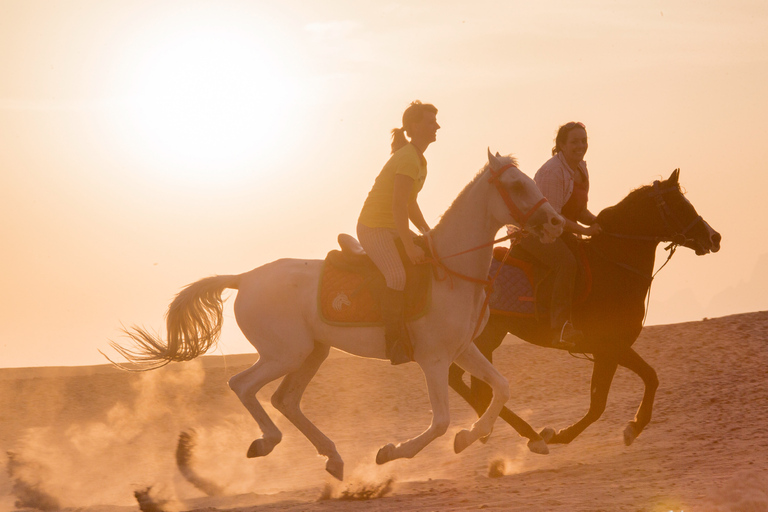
(621, 261)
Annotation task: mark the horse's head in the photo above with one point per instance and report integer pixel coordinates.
(521, 201)
(685, 225)
(662, 212)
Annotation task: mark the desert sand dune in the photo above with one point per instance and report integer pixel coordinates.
(90, 437)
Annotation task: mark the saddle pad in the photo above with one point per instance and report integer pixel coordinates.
(350, 297)
(512, 293)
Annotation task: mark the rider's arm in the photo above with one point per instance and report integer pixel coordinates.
(550, 179)
(587, 218)
(575, 227)
(400, 211)
(414, 213)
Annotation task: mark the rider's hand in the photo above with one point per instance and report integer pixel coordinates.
(415, 254)
(592, 230)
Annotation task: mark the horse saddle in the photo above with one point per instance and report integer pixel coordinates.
(520, 283)
(350, 288)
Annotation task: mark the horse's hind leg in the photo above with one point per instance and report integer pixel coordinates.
(632, 361)
(287, 400)
(245, 385)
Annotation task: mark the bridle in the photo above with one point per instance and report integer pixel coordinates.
(679, 236)
(679, 233)
(517, 214)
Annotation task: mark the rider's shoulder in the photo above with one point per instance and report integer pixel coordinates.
(553, 166)
(408, 156)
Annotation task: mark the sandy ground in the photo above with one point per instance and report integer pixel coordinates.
(87, 438)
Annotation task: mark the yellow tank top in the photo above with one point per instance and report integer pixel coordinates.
(377, 210)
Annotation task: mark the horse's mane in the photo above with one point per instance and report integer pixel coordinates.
(504, 160)
(628, 203)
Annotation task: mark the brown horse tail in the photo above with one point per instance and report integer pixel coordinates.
(193, 323)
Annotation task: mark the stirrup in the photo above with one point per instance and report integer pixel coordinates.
(568, 337)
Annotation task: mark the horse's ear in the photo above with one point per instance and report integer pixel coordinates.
(492, 160)
(675, 176)
(498, 155)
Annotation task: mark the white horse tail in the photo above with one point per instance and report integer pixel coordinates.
(193, 323)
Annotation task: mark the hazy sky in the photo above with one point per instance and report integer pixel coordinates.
(147, 144)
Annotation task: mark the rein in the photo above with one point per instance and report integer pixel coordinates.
(679, 237)
(679, 234)
(488, 283)
(516, 213)
(672, 247)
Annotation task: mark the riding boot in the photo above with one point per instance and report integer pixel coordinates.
(395, 332)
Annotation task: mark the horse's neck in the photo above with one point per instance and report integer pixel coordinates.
(638, 254)
(467, 225)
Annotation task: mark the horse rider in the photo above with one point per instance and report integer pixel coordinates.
(564, 181)
(386, 213)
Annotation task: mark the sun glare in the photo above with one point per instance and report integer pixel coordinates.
(208, 100)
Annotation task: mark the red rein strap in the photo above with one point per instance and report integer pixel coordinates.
(517, 214)
(438, 262)
(489, 285)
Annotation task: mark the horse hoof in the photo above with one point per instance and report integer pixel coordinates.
(385, 454)
(462, 440)
(547, 434)
(485, 439)
(539, 446)
(259, 448)
(629, 434)
(335, 468)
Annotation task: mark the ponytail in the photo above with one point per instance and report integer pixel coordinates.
(398, 139)
(413, 114)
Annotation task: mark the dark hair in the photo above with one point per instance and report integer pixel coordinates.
(562, 135)
(413, 114)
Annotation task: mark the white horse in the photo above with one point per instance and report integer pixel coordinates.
(277, 310)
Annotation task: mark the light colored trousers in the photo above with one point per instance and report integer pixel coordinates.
(379, 243)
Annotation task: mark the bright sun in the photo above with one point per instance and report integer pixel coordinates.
(207, 100)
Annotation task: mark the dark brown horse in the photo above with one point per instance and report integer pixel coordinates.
(621, 260)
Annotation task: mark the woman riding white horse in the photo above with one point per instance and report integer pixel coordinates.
(390, 204)
(277, 310)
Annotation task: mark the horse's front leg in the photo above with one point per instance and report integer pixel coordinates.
(632, 361)
(480, 403)
(489, 340)
(436, 375)
(479, 394)
(476, 363)
(602, 376)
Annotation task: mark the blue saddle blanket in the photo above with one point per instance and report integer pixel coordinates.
(513, 292)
